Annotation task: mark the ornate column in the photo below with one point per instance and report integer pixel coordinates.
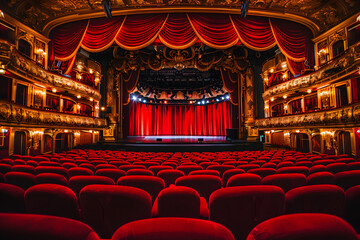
(249, 103)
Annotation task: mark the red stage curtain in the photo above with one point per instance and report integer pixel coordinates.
(215, 30)
(231, 81)
(177, 32)
(140, 31)
(193, 120)
(130, 80)
(254, 32)
(101, 33)
(88, 79)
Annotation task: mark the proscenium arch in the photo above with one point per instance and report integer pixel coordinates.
(315, 29)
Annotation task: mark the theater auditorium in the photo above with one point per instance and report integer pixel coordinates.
(180, 119)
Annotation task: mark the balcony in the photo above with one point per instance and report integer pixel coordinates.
(17, 64)
(345, 116)
(18, 115)
(342, 66)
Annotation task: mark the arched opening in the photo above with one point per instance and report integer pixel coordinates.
(20, 143)
(301, 141)
(344, 143)
(64, 142)
(25, 47)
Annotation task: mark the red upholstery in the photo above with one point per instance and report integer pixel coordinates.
(317, 168)
(320, 178)
(247, 167)
(105, 208)
(40, 227)
(2, 178)
(21, 179)
(88, 166)
(316, 199)
(23, 168)
(205, 172)
(59, 170)
(203, 184)
(5, 168)
(50, 164)
(104, 166)
(269, 165)
(229, 173)
(204, 165)
(128, 167)
(220, 168)
(346, 180)
(76, 183)
(52, 199)
(245, 179)
(156, 169)
(354, 166)
(309, 226)
(139, 172)
(152, 185)
(336, 167)
(294, 169)
(114, 174)
(262, 172)
(80, 171)
(69, 165)
(180, 202)
(187, 169)
(352, 207)
(172, 228)
(11, 198)
(170, 176)
(53, 178)
(242, 208)
(284, 164)
(286, 181)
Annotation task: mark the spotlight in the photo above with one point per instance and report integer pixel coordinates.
(134, 98)
(107, 8)
(227, 97)
(203, 102)
(222, 98)
(140, 99)
(207, 101)
(198, 103)
(217, 100)
(144, 101)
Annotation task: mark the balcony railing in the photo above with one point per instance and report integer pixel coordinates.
(348, 115)
(18, 64)
(337, 68)
(14, 114)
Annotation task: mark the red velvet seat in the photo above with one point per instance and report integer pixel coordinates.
(88, 166)
(52, 178)
(203, 184)
(80, 171)
(69, 165)
(307, 164)
(247, 167)
(174, 229)
(139, 172)
(20, 179)
(245, 179)
(220, 168)
(76, 183)
(258, 162)
(294, 169)
(320, 178)
(104, 166)
(180, 202)
(262, 172)
(316, 199)
(317, 168)
(352, 207)
(229, 173)
(50, 164)
(187, 169)
(170, 176)
(346, 180)
(269, 165)
(147, 164)
(106, 208)
(23, 168)
(309, 226)
(205, 172)
(114, 174)
(156, 169)
(52, 199)
(59, 170)
(324, 162)
(286, 181)
(128, 167)
(204, 165)
(336, 167)
(10, 161)
(240, 209)
(152, 185)
(41, 227)
(5, 168)
(11, 199)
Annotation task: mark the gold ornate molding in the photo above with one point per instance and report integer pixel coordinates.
(26, 68)
(14, 114)
(345, 116)
(339, 68)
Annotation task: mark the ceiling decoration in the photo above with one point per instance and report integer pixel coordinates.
(38, 13)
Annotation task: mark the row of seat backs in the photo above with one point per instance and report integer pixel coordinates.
(106, 207)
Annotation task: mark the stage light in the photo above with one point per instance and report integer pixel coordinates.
(165, 102)
(203, 102)
(217, 100)
(207, 101)
(140, 99)
(90, 71)
(144, 101)
(134, 98)
(222, 98)
(199, 103)
(227, 97)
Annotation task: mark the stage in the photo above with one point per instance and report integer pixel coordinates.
(177, 144)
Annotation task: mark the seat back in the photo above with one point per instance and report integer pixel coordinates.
(286, 181)
(11, 199)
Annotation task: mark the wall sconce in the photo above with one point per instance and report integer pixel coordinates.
(297, 131)
(309, 91)
(2, 14)
(91, 99)
(271, 70)
(91, 71)
(78, 96)
(272, 99)
(322, 51)
(285, 97)
(284, 65)
(54, 90)
(285, 107)
(66, 131)
(2, 69)
(284, 76)
(102, 108)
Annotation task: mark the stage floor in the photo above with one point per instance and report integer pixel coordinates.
(176, 139)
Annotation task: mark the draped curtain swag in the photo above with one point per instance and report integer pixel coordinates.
(180, 31)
